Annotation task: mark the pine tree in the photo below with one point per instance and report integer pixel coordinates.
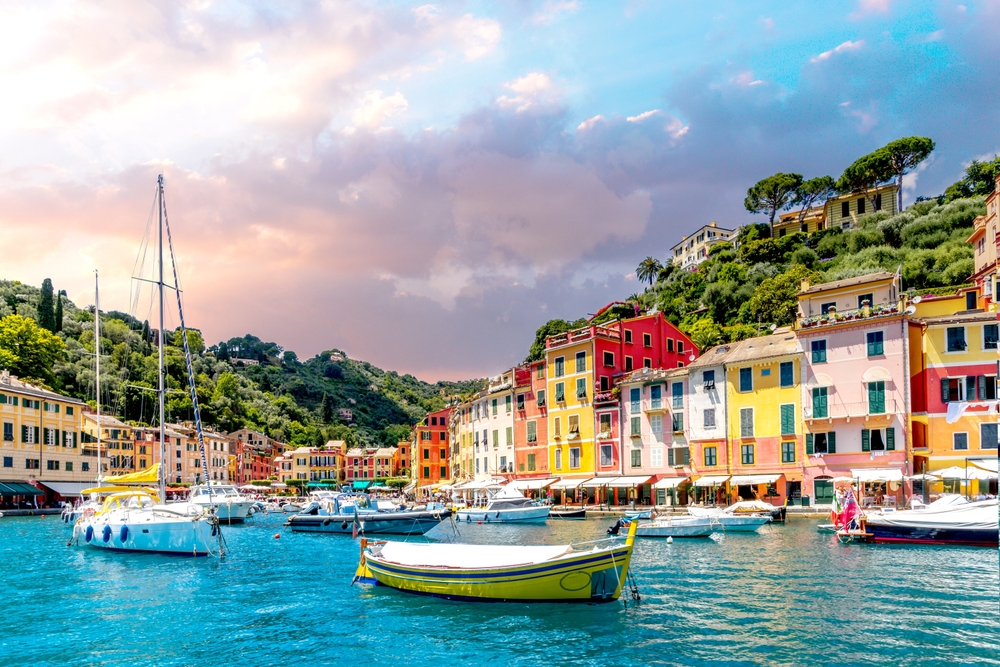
(59, 310)
(46, 318)
(325, 409)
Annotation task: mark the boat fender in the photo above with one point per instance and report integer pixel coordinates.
(326, 522)
(215, 529)
(106, 535)
(123, 534)
(670, 540)
(89, 535)
(343, 526)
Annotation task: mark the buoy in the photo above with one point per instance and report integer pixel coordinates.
(277, 536)
(480, 522)
(123, 534)
(670, 540)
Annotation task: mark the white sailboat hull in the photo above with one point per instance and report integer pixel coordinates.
(149, 530)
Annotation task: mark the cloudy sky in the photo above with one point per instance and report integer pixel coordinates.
(422, 185)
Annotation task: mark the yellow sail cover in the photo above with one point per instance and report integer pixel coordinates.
(150, 475)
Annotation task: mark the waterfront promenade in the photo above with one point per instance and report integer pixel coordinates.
(788, 596)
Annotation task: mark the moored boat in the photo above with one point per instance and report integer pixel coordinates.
(568, 513)
(947, 522)
(677, 526)
(590, 572)
(354, 512)
(229, 504)
(738, 518)
(506, 506)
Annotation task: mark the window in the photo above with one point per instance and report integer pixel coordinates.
(710, 456)
(680, 347)
(877, 206)
(427, 471)
(8, 462)
(746, 455)
(708, 380)
(845, 209)
(427, 453)
(819, 351)
(861, 205)
(605, 383)
(875, 343)
(540, 371)
(477, 464)
(788, 419)
(442, 454)
(876, 398)
(820, 406)
(509, 439)
(573, 422)
(560, 392)
(606, 457)
(878, 440)
(656, 457)
(532, 431)
(764, 372)
(677, 393)
(786, 373)
(85, 466)
(31, 464)
(746, 379)
(558, 459)
(557, 427)
(52, 464)
(960, 441)
(507, 402)
(69, 410)
(581, 362)
(540, 398)
(987, 388)
(443, 472)
(647, 362)
(821, 443)
(581, 389)
(503, 464)
(636, 458)
(825, 308)
(670, 345)
(496, 438)
(988, 436)
(656, 426)
(8, 432)
(531, 462)
(746, 422)
(951, 390)
(656, 397)
(443, 438)
(425, 435)
(990, 337)
(574, 457)
(970, 297)
(788, 452)
(609, 359)
(709, 416)
(647, 340)
(677, 456)
(956, 339)
(560, 367)
(628, 363)
(634, 394)
(628, 336)
(635, 427)
(605, 422)
(677, 419)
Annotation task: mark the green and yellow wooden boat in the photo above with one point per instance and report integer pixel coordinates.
(591, 572)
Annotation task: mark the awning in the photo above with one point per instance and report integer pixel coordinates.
(876, 373)
(19, 489)
(324, 483)
(531, 484)
(68, 488)
(568, 483)
(738, 480)
(956, 472)
(819, 380)
(879, 474)
(361, 485)
(985, 464)
(598, 482)
(670, 482)
(409, 487)
(711, 480)
(635, 480)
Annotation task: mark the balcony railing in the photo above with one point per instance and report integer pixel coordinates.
(850, 410)
(605, 397)
(835, 317)
(579, 335)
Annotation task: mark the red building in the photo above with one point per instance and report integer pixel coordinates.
(430, 449)
(363, 466)
(255, 454)
(531, 429)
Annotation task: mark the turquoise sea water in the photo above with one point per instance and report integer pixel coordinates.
(787, 596)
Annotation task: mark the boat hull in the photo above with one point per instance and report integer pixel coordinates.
(518, 515)
(584, 577)
(150, 532)
(235, 512)
(740, 524)
(568, 514)
(676, 528)
(386, 523)
(925, 535)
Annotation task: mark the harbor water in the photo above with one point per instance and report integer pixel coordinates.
(786, 596)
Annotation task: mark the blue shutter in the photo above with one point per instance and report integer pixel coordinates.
(945, 393)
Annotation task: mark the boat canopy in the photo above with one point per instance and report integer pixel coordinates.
(361, 485)
(877, 474)
(532, 484)
(568, 483)
(670, 482)
(738, 480)
(468, 556)
(634, 480)
(150, 475)
(711, 480)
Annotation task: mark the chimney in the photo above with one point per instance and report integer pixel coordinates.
(804, 285)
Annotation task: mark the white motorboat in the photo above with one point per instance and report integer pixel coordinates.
(949, 520)
(508, 505)
(229, 504)
(733, 519)
(677, 526)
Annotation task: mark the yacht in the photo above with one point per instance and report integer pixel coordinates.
(505, 506)
(229, 504)
(949, 520)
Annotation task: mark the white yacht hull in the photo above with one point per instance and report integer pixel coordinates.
(519, 515)
(149, 530)
(228, 512)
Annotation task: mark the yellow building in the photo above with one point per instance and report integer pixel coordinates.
(842, 211)
(40, 441)
(764, 415)
(693, 249)
(984, 245)
(569, 394)
(117, 443)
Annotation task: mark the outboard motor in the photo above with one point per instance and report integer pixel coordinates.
(616, 528)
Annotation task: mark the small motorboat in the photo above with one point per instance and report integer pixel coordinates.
(228, 503)
(587, 572)
(949, 520)
(734, 520)
(677, 526)
(568, 513)
(644, 514)
(333, 512)
(507, 505)
(826, 528)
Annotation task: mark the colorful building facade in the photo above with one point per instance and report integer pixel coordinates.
(431, 449)
(531, 429)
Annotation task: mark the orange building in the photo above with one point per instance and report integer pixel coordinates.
(530, 421)
(430, 449)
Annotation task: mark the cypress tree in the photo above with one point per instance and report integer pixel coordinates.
(46, 318)
(325, 409)
(59, 310)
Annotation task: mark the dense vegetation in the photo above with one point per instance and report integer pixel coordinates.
(50, 341)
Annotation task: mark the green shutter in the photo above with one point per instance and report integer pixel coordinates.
(809, 444)
(876, 398)
(787, 420)
(970, 387)
(74, 438)
(982, 387)
(24, 433)
(890, 438)
(831, 442)
(944, 390)
(57, 408)
(670, 457)
(866, 440)
(58, 438)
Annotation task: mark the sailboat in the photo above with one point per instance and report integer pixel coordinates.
(134, 515)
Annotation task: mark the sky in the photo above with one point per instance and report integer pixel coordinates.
(423, 185)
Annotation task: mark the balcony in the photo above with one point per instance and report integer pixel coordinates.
(654, 405)
(580, 335)
(853, 410)
(605, 397)
(857, 315)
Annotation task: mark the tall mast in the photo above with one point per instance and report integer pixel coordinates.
(161, 388)
(97, 357)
